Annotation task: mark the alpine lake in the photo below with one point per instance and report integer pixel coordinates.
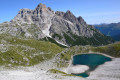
(91, 60)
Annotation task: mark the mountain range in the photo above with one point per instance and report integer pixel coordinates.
(58, 27)
(112, 30)
(41, 44)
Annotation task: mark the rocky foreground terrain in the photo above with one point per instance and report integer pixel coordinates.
(39, 44)
(108, 71)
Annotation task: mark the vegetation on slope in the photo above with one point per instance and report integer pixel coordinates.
(96, 40)
(112, 49)
(15, 51)
(116, 37)
(26, 52)
(56, 71)
(66, 55)
(112, 29)
(60, 72)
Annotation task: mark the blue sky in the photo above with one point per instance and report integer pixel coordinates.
(93, 11)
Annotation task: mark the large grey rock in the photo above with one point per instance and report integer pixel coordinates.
(44, 22)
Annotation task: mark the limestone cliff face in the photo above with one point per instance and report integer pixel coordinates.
(43, 22)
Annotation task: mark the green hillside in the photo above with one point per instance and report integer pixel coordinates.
(25, 52)
(111, 49)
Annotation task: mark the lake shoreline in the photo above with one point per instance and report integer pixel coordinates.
(88, 70)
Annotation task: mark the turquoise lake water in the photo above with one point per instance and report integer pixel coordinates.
(91, 60)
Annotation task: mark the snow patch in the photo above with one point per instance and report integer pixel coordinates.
(61, 43)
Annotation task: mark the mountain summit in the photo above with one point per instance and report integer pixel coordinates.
(61, 27)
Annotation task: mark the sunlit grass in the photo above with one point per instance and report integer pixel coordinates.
(26, 52)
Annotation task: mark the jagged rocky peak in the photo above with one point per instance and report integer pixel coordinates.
(42, 22)
(59, 13)
(80, 19)
(70, 16)
(69, 12)
(41, 7)
(24, 10)
(40, 15)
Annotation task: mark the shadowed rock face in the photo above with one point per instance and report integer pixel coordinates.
(49, 24)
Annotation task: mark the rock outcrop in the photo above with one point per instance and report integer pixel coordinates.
(63, 27)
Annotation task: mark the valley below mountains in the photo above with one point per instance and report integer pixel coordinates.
(112, 30)
(40, 44)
